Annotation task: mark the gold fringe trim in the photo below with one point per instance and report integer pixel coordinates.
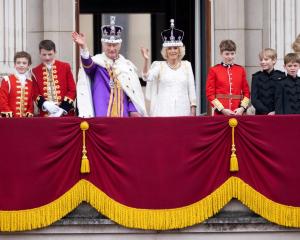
(22, 220)
(274, 212)
(163, 219)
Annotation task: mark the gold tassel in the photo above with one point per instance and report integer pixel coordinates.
(234, 165)
(85, 164)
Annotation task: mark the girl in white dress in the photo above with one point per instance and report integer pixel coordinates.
(170, 84)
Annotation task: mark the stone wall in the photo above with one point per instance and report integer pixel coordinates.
(24, 23)
(12, 31)
(254, 25)
(55, 20)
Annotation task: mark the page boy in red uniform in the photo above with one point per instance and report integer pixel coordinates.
(16, 91)
(55, 89)
(227, 88)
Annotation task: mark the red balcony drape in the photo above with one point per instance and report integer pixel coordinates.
(149, 173)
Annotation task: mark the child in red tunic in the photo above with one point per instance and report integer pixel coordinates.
(54, 85)
(227, 88)
(16, 91)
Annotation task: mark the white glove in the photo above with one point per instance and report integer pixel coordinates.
(227, 112)
(239, 111)
(271, 113)
(50, 107)
(59, 113)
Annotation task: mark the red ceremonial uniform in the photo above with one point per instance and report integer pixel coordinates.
(227, 87)
(55, 85)
(16, 100)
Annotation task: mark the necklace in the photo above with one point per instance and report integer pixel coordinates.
(174, 66)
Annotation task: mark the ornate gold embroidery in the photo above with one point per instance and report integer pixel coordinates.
(51, 85)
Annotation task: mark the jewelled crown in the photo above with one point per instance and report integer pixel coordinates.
(111, 33)
(172, 37)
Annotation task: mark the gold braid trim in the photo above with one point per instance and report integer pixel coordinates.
(217, 104)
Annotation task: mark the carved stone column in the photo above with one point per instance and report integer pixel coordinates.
(12, 31)
(284, 26)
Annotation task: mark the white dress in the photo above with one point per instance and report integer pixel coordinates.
(171, 92)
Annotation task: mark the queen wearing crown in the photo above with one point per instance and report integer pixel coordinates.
(108, 84)
(170, 83)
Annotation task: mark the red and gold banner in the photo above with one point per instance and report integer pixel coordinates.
(149, 173)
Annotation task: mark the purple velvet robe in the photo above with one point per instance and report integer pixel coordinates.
(101, 90)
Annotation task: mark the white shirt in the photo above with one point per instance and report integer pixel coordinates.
(22, 78)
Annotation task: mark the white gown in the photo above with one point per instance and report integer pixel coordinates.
(171, 91)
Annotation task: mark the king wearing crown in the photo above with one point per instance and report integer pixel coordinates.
(108, 84)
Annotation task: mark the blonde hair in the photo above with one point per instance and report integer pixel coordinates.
(269, 53)
(296, 44)
(181, 52)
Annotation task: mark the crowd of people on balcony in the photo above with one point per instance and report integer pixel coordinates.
(108, 84)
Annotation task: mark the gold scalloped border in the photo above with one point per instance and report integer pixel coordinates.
(162, 219)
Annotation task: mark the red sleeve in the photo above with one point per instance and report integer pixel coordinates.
(31, 100)
(4, 95)
(71, 87)
(30, 108)
(245, 86)
(38, 98)
(211, 85)
(35, 89)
